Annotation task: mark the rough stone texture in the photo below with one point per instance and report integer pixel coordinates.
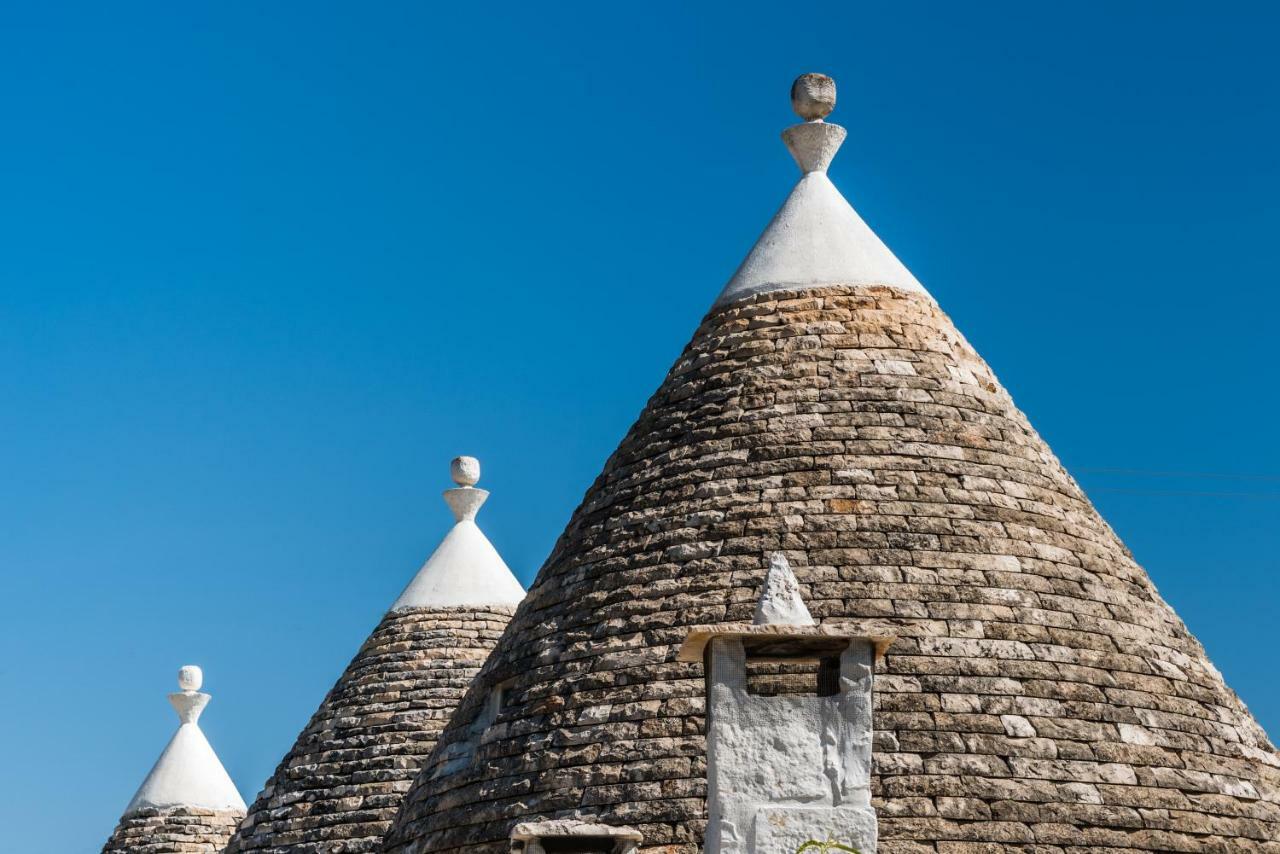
(341, 784)
(793, 766)
(530, 837)
(174, 830)
(813, 96)
(780, 602)
(1041, 696)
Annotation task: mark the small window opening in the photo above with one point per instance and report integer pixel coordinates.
(793, 667)
(573, 836)
(498, 699)
(579, 844)
(501, 695)
(793, 677)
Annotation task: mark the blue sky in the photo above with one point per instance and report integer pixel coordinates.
(265, 268)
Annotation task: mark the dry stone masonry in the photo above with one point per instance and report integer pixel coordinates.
(174, 830)
(917, 634)
(340, 786)
(1039, 697)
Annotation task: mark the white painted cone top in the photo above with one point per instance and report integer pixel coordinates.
(188, 772)
(780, 603)
(816, 238)
(465, 569)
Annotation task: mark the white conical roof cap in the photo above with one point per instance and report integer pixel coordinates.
(188, 772)
(816, 237)
(465, 569)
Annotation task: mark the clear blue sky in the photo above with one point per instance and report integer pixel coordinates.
(264, 268)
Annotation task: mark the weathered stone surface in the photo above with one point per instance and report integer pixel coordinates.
(341, 784)
(813, 96)
(780, 602)
(1040, 697)
(534, 836)
(173, 830)
(791, 766)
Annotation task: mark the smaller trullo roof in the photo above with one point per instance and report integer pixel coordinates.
(341, 784)
(188, 772)
(188, 801)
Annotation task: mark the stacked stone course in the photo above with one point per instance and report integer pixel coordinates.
(340, 786)
(175, 830)
(1040, 698)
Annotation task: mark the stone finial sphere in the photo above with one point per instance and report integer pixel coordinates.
(190, 678)
(465, 471)
(813, 96)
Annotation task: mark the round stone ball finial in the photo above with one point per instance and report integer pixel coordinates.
(465, 471)
(813, 96)
(190, 678)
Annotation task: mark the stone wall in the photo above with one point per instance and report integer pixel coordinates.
(341, 784)
(175, 830)
(1040, 698)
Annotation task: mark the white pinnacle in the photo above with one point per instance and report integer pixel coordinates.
(188, 772)
(780, 603)
(816, 237)
(465, 569)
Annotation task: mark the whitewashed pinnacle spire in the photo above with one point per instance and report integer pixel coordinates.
(465, 569)
(188, 772)
(780, 603)
(816, 237)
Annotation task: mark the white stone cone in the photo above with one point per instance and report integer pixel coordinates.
(816, 237)
(465, 569)
(188, 772)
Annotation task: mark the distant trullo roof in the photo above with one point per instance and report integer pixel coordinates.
(1040, 696)
(187, 803)
(341, 783)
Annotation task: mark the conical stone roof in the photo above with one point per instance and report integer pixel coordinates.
(187, 803)
(340, 785)
(1040, 697)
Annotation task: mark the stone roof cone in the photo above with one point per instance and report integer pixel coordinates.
(1039, 695)
(187, 803)
(341, 783)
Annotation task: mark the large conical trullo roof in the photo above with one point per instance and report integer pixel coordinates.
(1040, 697)
(340, 785)
(187, 803)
